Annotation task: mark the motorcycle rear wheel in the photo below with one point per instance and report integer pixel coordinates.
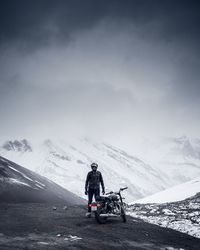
(99, 219)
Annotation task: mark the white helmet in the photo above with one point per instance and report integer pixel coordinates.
(94, 165)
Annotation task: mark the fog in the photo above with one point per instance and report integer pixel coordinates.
(113, 71)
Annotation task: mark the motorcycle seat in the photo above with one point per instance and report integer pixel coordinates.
(103, 198)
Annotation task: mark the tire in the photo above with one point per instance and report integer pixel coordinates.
(99, 219)
(123, 215)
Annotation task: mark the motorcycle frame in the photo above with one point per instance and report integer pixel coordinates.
(120, 198)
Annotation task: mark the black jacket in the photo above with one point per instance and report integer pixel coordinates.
(93, 180)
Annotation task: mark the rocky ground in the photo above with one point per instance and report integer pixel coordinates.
(183, 216)
(44, 226)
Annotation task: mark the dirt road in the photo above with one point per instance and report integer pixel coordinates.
(40, 226)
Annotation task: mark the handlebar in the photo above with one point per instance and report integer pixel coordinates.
(121, 189)
(111, 192)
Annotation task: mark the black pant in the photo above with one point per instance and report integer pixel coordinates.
(91, 192)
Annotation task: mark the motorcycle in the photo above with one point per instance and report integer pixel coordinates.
(109, 205)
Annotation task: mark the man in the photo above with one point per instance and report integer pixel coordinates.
(92, 185)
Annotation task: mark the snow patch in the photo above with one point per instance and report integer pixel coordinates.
(15, 181)
(183, 216)
(41, 187)
(72, 238)
(41, 184)
(173, 194)
(43, 243)
(25, 176)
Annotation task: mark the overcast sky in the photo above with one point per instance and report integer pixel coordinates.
(114, 70)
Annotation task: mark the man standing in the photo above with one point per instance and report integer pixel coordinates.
(92, 185)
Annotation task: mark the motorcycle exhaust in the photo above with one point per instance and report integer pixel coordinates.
(108, 215)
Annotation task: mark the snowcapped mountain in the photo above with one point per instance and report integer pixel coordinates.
(163, 164)
(67, 164)
(179, 158)
(175, 193)
(20, 146)
(18, 184)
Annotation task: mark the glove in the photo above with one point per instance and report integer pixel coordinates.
(103, 192)
(86, 192)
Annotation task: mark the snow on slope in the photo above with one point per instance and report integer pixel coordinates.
(173, 194)
(183, 216)
(67, 164)
(164, 164)
(179, 157)
(18, 184)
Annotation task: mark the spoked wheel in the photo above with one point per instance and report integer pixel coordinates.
(123, 214)
(99, 219)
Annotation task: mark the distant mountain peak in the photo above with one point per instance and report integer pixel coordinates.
(18, 145)
(181, 139)
(186, 146)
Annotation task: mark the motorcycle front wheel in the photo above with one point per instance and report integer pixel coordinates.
(99, 219)
(123, 215)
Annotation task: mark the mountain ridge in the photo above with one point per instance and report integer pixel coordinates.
(67, 162)
(19, 184)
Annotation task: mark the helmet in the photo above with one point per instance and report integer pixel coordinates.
(94, 165)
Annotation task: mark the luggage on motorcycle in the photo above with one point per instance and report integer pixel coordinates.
(114, 197)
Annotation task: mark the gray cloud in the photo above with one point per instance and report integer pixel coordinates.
(36, 22)
(114, 69)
